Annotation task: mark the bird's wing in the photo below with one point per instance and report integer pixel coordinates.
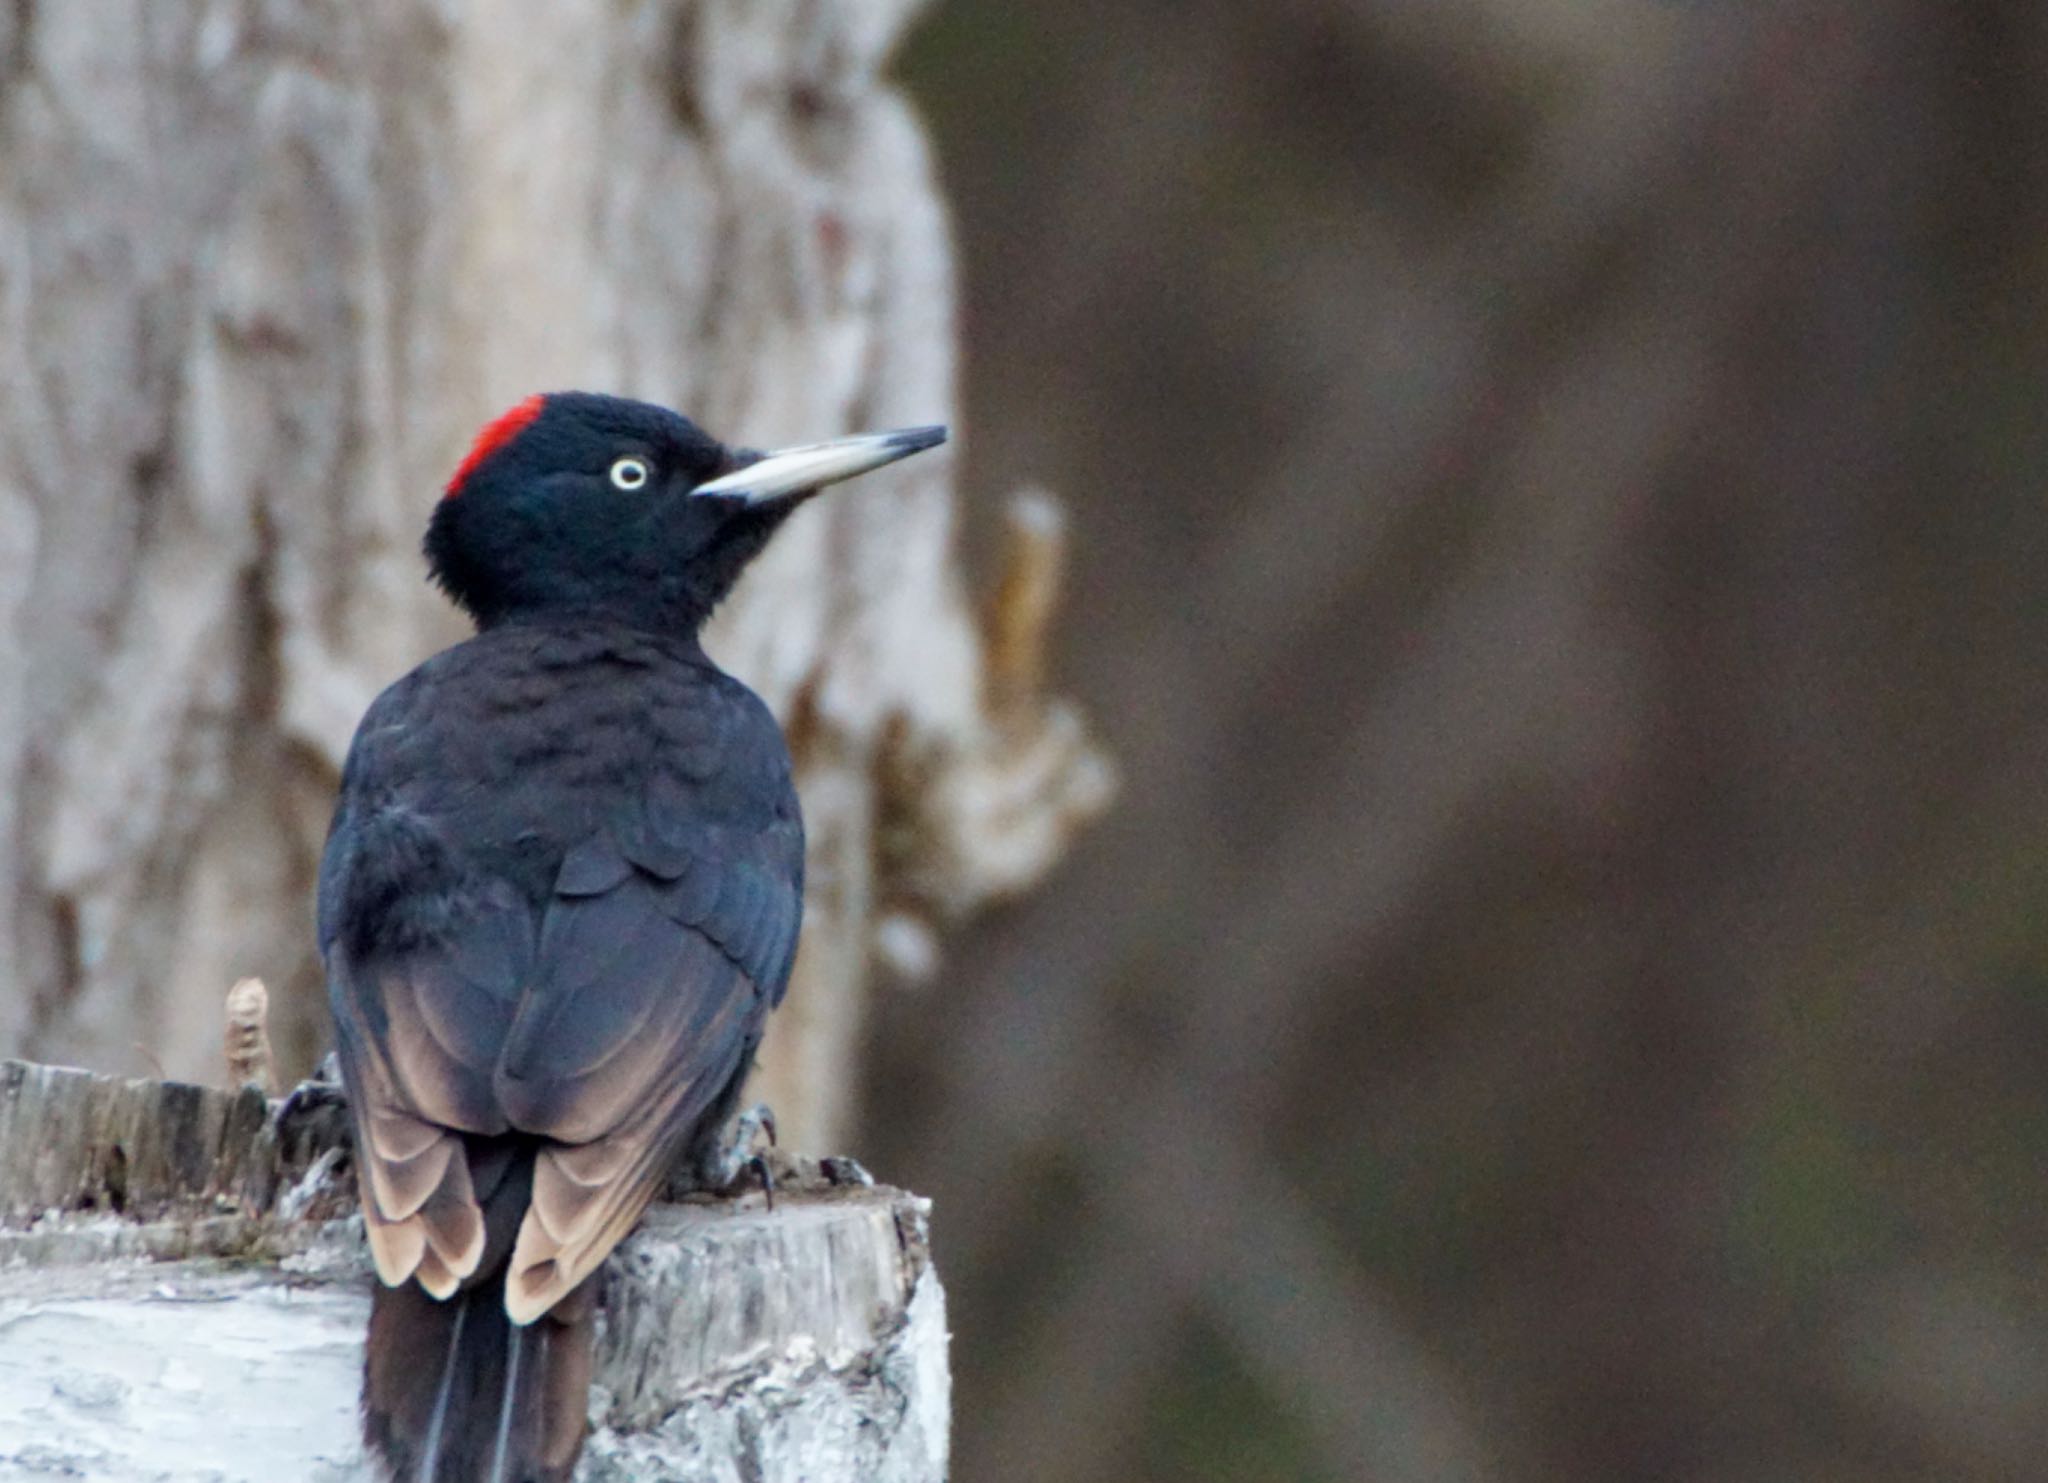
(418, 1033)
(607, 1039)
(655, 968)
(426, 959)
(596, 1024)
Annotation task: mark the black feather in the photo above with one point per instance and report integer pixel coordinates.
(561, 891)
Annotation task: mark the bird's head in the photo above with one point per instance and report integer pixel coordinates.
(573, 503)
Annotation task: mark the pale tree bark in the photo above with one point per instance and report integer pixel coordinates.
(263, 268)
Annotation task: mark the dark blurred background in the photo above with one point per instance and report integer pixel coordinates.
(1559, 534)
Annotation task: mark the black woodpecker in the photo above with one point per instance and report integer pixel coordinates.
(559, 898)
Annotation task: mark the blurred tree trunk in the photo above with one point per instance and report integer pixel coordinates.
(263, 268)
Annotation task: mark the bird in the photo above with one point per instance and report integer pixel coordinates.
(560, 895)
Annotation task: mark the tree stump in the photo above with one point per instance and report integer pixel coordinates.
(184, 1288)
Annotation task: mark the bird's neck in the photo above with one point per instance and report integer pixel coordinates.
(600, 629)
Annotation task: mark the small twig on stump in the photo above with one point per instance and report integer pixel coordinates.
(247, 1040)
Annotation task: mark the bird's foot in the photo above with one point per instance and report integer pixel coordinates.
(746, 1151)
(320, 1090)
(743, 1151)
(313, 1116)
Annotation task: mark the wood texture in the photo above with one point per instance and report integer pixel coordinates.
(184, 1292)
(263, 269)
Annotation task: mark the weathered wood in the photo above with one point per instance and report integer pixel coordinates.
(183, 1291)
(154, 1153)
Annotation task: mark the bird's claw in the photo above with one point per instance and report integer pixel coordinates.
(728, 1166)
(759, 1165)
(320, 1090)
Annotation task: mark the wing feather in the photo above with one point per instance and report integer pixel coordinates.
(637, 1024)
(416, 1089)
(420, 1213)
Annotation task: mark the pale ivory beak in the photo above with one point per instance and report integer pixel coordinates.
(797, 470)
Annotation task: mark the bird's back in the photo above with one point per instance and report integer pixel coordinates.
(501, 755)
(561, 893)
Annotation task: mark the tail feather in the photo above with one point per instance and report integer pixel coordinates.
(437, 1419)
(455, 1392)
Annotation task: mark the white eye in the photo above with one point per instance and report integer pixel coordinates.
(630, 474)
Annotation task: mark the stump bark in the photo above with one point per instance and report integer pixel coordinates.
(184, 1287)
